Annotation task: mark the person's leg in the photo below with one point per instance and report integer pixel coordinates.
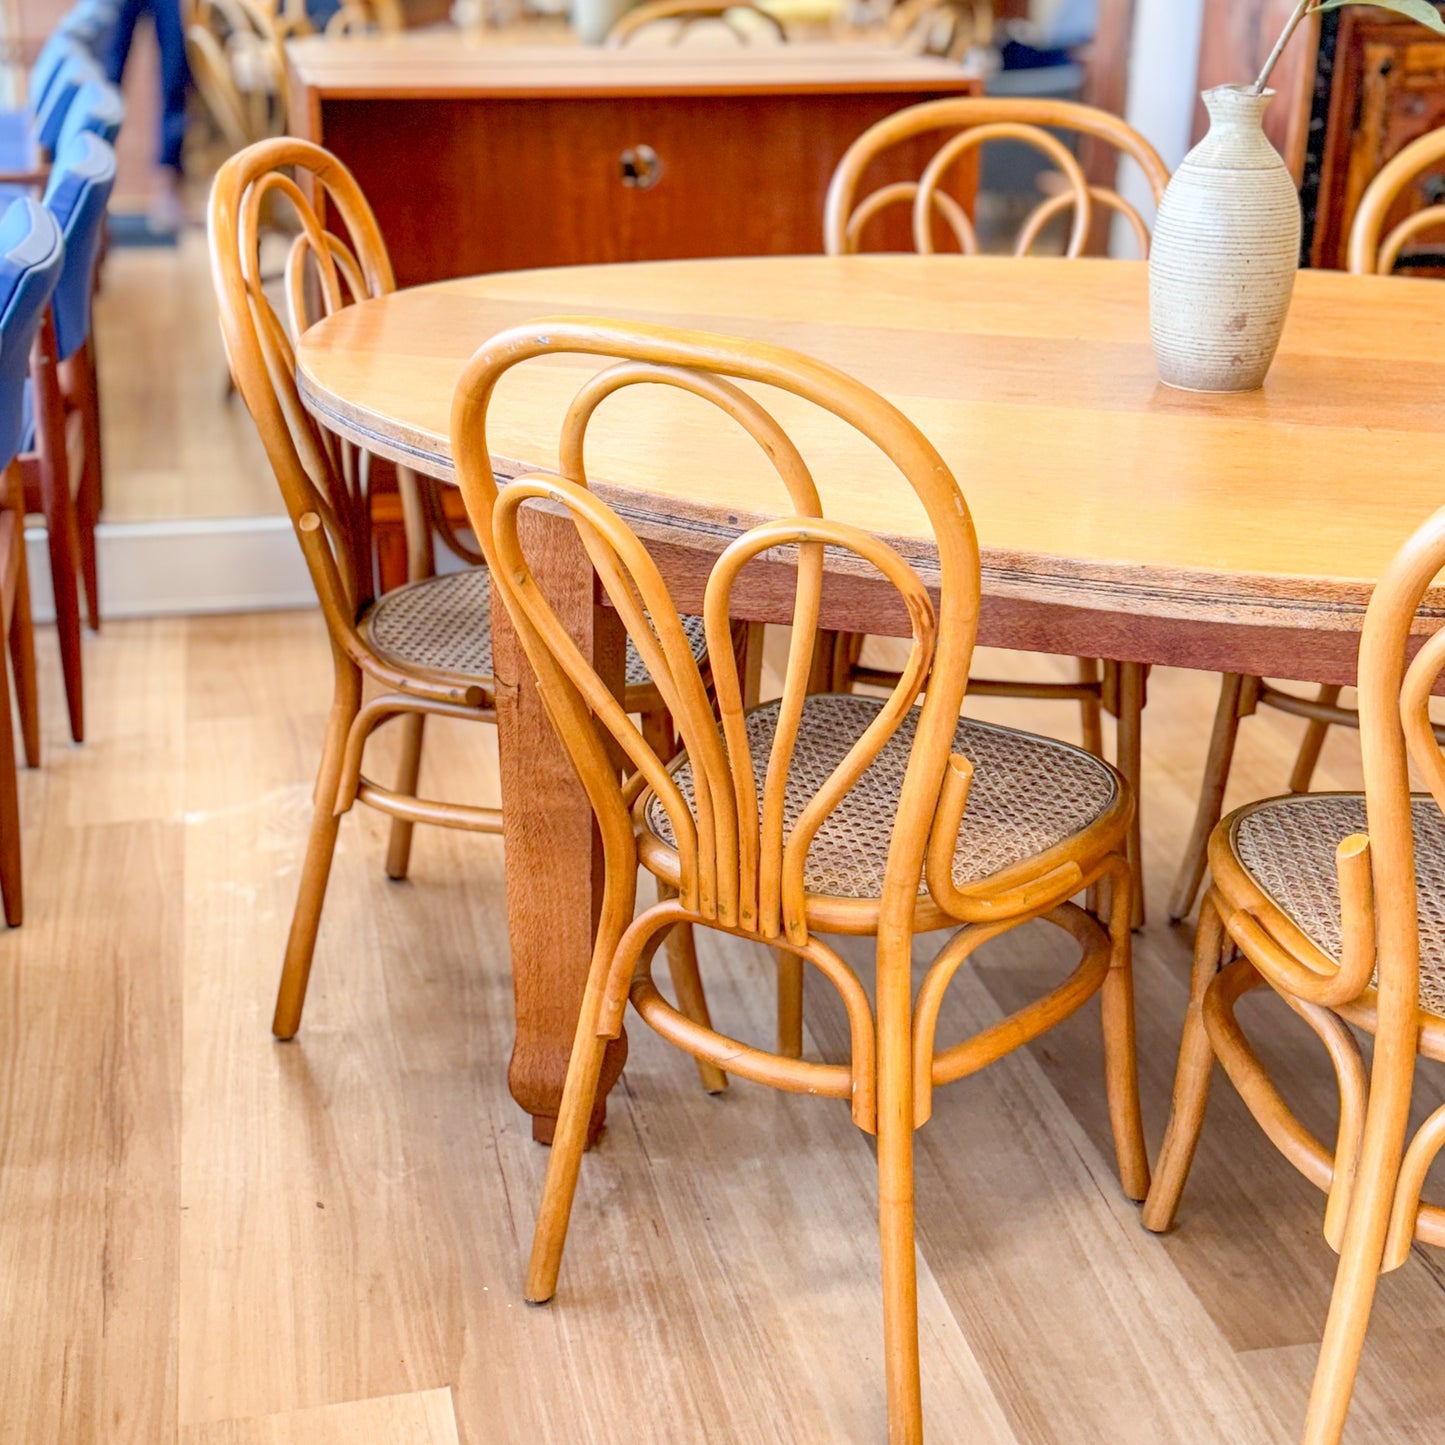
(175, 80)
(119, 52)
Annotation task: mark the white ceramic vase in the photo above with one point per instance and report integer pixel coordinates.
(592, 19)
(1225, 251)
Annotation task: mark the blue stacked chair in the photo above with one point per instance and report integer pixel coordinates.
(95, 107)
(64, 384)
(65, 76)
(32, 254)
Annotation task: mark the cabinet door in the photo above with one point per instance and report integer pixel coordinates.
(466, 186)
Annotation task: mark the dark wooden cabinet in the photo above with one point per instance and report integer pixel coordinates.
(1383, 87)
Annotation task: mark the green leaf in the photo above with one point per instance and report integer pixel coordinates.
(1421, 10)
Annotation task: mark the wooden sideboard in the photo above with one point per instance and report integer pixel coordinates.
(492, 158)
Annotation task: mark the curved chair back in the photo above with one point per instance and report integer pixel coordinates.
(48, 65)
(321, 479)
(32, 253)
(70, 75)
(742, 858)
(974, 121)
(237, 57)
(96, 109)
(735, 15)
(1401, 180)
(92, 25)
(77, 194)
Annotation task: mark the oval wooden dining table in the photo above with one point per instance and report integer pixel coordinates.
(1118, 519)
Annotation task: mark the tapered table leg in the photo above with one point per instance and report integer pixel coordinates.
(553, 853)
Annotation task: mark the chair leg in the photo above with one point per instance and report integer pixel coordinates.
(1090, 710)
(569, 1141)
(895, 1199)
(1356, 1276)
(398, 848)
(1211, 795)
(316, 867)
(10, 881)
(790, 1004)
(1309, 750)
(22, 655)
(87, 512)
(1191, 1079)
(90, 499)
(1121, 1063)
(1130, 749)
(687, 982)
(63, 533)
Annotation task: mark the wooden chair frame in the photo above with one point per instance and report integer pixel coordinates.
(1374, 1175)
(977, 120)
(686, 14)
(15, 617)
(60, 480)
(1369, 255)
(323, 481)
(737, 868)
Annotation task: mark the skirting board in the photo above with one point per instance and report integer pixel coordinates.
(157, 569)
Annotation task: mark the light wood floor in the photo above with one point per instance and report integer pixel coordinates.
(210, 1238)
(176, 446)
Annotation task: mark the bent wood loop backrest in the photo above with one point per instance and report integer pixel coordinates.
(741, 858)
(319, 476)
(1368, 254)
(684, 14)
(976, 121)
(1395, 730)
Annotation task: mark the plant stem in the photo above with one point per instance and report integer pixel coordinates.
(1301, 11)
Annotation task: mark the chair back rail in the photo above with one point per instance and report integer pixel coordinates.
(977, 121)
(319, 476)
(742, 857)
(1370, 253)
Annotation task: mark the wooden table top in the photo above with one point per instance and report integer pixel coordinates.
(454, 65)
(1091, 484)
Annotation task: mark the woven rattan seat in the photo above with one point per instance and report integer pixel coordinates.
(1029, 794)
(445, 623)
(1287, 846)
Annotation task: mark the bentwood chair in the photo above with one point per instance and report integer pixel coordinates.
(31, 253)
(741, 18)
(814, 814)
(966, 125)
(59, 460)
(1399, 198)
(237, 57)
(1336, 901)
(427, 646)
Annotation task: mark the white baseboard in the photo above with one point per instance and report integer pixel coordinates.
(159, 569)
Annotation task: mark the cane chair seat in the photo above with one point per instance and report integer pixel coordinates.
(1287, 846)
(444, 624)
(1029, 794)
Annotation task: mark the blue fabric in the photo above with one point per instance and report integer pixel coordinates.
(32, 254)
(175, 72)
(97, 108)
(53, 55)
(27, 418)
(92, 24)
(77, 195)
(75, 70)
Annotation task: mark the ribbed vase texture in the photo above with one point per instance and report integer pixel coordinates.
(1225, 252)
